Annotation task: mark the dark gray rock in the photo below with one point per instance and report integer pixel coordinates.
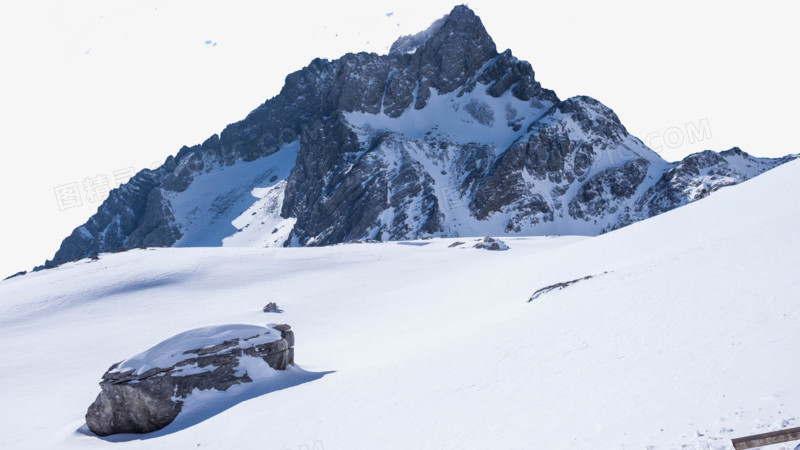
(18, 274)
(559, 286)
(146, 392)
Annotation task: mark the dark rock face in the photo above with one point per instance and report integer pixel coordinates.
(139, 398)
(436, 138)
(349, 192)
(359, 185)
(116, 219)
(608, 190)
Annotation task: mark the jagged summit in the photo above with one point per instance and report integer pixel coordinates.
(460, 29)
(460, 24)
(442, 136)
(450, 52)
(410, 43)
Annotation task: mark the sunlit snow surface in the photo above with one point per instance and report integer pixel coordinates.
(691, 338)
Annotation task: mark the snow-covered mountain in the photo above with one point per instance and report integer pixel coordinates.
(686, 336)
(443, 136)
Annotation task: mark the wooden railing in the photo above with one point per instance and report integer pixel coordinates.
(774, 437)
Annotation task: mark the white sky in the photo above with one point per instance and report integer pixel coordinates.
(91, 88)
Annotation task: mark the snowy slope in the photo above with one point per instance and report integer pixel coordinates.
(237, 205)
(686, 335)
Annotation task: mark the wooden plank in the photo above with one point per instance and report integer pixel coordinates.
(774, 437)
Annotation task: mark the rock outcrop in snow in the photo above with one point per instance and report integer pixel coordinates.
(490, 243)
(146, 392)
(443, 136)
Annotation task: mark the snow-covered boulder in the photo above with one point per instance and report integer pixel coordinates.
(490, 243)
(145, 392)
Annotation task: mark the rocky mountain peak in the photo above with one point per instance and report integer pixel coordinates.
(445, 57)
(592, 117)
(461, 25)
(443, 136)
(735, 151)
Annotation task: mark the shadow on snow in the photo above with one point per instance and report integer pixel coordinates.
(203, 405)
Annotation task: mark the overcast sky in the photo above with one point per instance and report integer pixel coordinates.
(92, 90)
